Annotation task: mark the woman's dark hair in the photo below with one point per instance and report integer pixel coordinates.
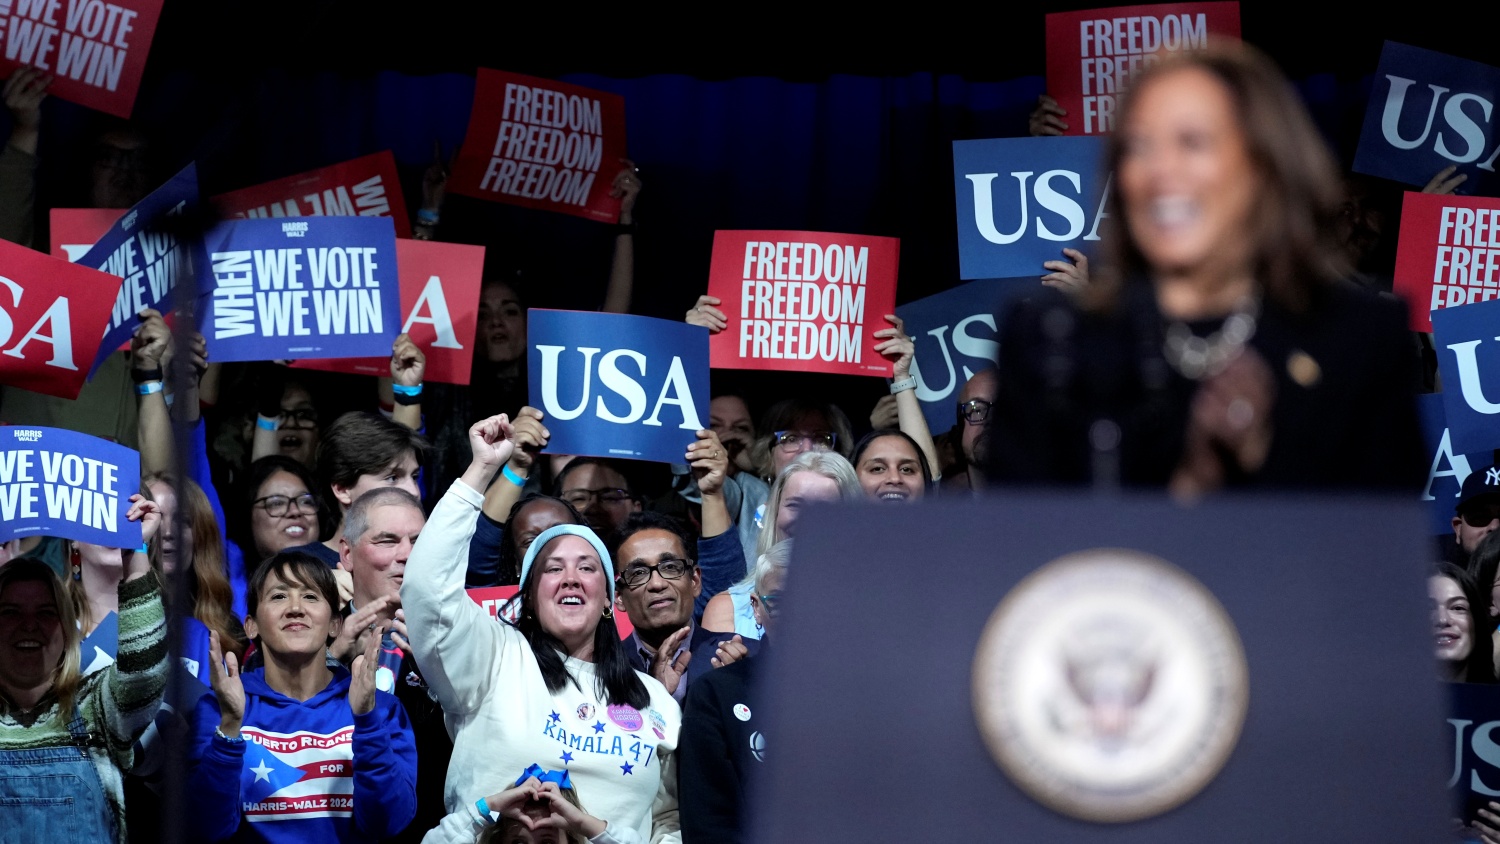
(510, 555)
(1480, 666)
(615, 680)
(867, 439)
(293, 567)
(1294, 227)
(261, 471)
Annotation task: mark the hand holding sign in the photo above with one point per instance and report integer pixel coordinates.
(149, 344)
(707, 315)
(709, 461)
(24, 92)
(626, 188)
(896, 347)
(530, 436)
(1069, 276)
(149, 515)
(1047, 118)
(1444, 182)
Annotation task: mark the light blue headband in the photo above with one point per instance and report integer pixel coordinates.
(583, 531)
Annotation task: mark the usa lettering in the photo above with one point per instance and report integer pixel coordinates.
(549, 146)
(980, 347)
(1466, 131)
(623, 385)
(89, 43)
(1048, 197)
(53, 330)
(800, 301)
(1115, 49)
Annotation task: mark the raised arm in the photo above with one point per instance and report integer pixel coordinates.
(132, 690)
(24, 92)
(627, 186)
(408, 366)
(385, 752)
(148, 348)
(449, 634)
(898, 347)
(721, 560)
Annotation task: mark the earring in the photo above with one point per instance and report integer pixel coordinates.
(609, 611)
(76, 562)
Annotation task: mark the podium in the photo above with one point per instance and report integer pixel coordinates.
(899, 679)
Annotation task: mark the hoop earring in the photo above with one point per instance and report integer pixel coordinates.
(609, 611)
(75, 559)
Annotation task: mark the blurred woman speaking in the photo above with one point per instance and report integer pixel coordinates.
(1220, 345)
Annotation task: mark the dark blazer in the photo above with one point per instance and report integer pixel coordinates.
(1344, 414)
(719, 753)
(696, 643)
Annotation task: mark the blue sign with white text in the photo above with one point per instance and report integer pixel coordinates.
(1021, 201)
(1429, 111)
(300, 288)
(956, 335)
(616, 385)
(1446, 468)
(55, 482)
(1468, 355)
(142, 249)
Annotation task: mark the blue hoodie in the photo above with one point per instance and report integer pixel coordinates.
(307, 770)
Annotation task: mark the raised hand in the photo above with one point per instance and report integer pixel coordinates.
(224, 676)
(896, 346)
(530, 436)
(1047, 117)
(626, 187)
(408, 364)
(1071, 275)
(151, 341)
(667, 670)
(347, 643)
(24, 92)
(362, 674)
(705, 314)
(1444, 182)
(147, 513)
(490, 441)
(730, 651)
(886, 414)
(709, 461)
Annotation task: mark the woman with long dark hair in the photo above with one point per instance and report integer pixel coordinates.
(1460, 641)
(555, 688)
(1220, 343)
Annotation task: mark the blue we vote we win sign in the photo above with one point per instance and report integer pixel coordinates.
(615, 385)
(55, 482)
(310, 287)
(1468, 353)
(1021, 201)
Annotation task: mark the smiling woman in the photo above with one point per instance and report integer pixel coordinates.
(1218, 345)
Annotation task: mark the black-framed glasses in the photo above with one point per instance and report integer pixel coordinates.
(300, 415)
(580, 498)
(816, 440)
(278, 505)
(637, 574)
(975, 411)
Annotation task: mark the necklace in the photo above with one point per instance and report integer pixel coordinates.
(1197, 357)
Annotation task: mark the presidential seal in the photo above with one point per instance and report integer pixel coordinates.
(1110, 685)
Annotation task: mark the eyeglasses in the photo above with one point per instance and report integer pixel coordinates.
(769, 602)
(1480, 515)
(306, 415)
(816, 440)
(278, 505)
(975, 411)
(580, 498)
(636, 575)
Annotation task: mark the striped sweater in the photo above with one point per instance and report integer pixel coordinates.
(117, 703)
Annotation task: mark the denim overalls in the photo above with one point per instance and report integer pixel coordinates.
(53, 795)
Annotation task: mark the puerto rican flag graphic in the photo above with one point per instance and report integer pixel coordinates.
(290, 776)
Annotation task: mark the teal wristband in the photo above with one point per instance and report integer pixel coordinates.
(403, 390)
(512, 476)
(144, 549)
(148, 388)
(265, 423)
(484, 810)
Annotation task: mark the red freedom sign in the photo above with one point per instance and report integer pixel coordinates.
(1448, 253)
(542, 144)
(492, 598)
(802, 301)
(1092, 55)
(362, 187)
(52, 319)
(96, 50)
(440, 297)
(76, 230)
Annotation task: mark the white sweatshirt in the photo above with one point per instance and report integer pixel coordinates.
(502, 717)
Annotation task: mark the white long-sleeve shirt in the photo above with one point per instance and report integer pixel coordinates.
(500, 714)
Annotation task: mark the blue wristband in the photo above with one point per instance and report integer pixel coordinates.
(484, 810)
(148, 388)
(403, 390)
(266, 423)
(427, 217)
(144, 549)
(512, 476)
